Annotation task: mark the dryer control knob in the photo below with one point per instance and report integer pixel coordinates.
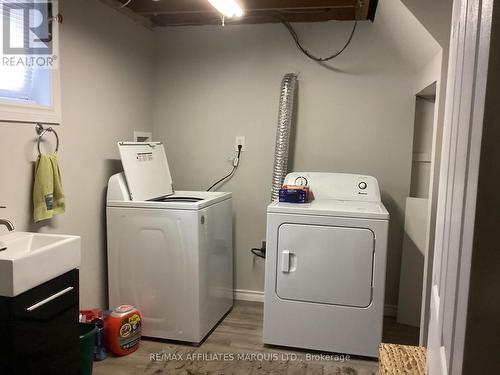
(362, 185)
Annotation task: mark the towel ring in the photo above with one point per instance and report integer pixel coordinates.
(40, 130)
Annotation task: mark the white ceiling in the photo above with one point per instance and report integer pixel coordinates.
(435, 15)
(414, 42)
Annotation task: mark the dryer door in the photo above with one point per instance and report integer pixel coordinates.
(325, 264)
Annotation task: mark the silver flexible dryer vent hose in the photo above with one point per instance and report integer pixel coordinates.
(287, 94)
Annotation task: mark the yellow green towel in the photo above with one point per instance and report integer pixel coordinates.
(48, 196)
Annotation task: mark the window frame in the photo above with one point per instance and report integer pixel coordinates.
(12, 110)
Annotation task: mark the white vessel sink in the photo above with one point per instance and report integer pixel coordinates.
(30, 259)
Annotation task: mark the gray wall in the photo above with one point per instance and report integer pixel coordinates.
(211, 85)
(422, 147)
(106, 83)
(435, 16)
(356, 116)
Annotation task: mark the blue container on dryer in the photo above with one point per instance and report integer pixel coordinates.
(293, 195)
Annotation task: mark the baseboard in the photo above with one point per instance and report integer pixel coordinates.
(258, 296)
(249, 295)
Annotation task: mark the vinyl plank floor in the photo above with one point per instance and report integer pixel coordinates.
(240, 335)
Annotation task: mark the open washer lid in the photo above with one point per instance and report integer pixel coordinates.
(146, 170)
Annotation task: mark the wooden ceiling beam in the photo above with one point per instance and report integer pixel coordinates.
(148, 7)
(200, 12)
(343, 14)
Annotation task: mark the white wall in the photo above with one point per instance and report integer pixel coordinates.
(106, 83)
(425, 27)
(434, 17)
(398, 24)
(214, 83)
(422, 146)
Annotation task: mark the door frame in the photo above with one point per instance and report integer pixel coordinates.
(461, 145)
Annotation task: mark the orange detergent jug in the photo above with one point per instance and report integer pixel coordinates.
(123, 330)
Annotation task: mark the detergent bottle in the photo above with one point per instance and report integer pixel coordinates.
(123, 330)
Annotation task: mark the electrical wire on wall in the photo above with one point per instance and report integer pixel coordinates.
(295, 37)
(125, 4)
(261, 253)
(236, 163)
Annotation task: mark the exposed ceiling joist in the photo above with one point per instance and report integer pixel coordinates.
(196, 6)
(200, 12)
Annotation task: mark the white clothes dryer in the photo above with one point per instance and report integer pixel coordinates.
(325, 266)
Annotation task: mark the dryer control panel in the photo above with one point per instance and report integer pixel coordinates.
(342, 186)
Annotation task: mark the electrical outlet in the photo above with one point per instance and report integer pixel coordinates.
(240, 140)
(140, 136)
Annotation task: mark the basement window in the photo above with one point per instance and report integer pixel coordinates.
(29, 70)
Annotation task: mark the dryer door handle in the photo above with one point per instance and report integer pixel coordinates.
(285, 261)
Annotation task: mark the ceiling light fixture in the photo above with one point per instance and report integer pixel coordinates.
(228, 8)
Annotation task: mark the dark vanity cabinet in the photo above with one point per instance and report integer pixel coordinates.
(39, 329)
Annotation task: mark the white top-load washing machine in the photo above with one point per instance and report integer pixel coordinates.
(325, 266)
(170, 254)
